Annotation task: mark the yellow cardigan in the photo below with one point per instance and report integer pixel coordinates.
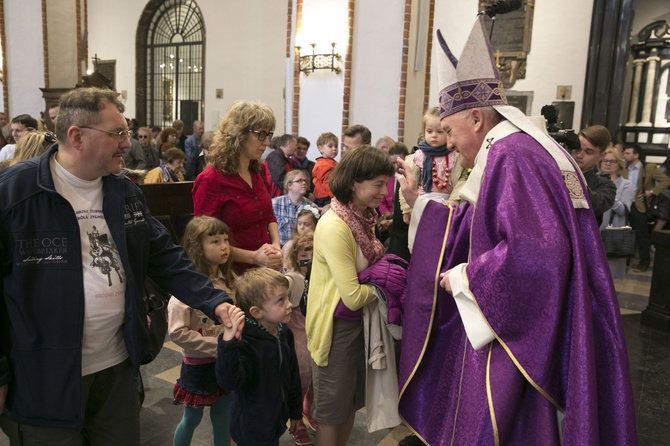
(333, 276)
(155, 176)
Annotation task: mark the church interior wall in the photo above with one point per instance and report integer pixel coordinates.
(376, 69)
(246, 56)
(321, 92)
(24, 49)
(63, 66)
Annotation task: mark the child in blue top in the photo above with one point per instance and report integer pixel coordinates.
(260, 368)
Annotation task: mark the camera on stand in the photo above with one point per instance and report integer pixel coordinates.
(566, 138)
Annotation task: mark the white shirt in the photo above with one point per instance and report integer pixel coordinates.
(104, 278)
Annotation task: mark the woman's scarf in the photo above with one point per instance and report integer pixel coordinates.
(168, 175)
(427, 172)
(298, 164)
(362, 227)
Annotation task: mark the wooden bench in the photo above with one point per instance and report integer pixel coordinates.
(171, 204)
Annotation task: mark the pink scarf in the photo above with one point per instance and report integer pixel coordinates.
(362, 227)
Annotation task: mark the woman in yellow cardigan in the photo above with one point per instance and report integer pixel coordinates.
(344, 245)
(170, 170)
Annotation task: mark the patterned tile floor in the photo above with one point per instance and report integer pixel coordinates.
(649, 352)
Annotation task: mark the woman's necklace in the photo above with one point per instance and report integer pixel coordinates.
(441, 184)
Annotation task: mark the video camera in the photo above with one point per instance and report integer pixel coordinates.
(567, 138)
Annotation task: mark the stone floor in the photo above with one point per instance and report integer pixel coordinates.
(649, 352)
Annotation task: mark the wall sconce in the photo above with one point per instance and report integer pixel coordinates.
(313, 62)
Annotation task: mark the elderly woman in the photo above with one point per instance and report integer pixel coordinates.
(344, 245)
(613, 164)
(150, 153)
(232, 189)
(170, 170)
(167, 139)
(286, 206)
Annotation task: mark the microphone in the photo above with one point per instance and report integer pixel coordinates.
(502, 7)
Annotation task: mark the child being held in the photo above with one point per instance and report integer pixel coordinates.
(260, 368)
(435, 164)
(307, 218)
(206, 243)
(327, 145)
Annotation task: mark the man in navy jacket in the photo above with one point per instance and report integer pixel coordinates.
(76, 244)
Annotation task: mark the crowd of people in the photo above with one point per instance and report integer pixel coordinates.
(292, 278)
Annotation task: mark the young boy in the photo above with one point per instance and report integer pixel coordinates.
(261, 368)
(327, 145)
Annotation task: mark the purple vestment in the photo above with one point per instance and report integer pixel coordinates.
(539, 275)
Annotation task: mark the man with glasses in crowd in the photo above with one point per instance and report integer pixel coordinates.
(76, 242)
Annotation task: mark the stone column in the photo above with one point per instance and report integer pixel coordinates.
(649, 89)
(635, 98)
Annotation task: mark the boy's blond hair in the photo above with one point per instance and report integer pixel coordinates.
(252, 288)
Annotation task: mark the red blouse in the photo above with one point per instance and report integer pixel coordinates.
(246, 210)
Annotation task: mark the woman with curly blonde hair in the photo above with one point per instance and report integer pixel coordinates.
(232, 188)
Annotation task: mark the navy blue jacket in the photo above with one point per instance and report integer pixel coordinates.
(42, 293)
(262, 371)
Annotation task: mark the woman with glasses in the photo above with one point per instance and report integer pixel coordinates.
(232, 189)
(150, 153)
(286, 206)
(613, 164)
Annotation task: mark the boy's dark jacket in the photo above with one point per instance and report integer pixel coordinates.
(262, 371)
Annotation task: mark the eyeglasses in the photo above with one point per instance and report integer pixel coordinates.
(262, 134)
(609, 161)
(120, 135)
(303, 181)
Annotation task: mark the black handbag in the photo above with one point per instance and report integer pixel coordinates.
(618, 241)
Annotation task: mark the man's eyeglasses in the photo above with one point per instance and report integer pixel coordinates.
(609, 161)
(120, 135)
(303, 181)
(262, 134)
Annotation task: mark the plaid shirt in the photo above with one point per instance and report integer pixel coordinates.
(287, 215)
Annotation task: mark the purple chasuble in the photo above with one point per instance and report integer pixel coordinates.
(539, 275)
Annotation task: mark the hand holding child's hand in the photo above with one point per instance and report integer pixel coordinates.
(236, 316)
(293, 427)
(269, 256)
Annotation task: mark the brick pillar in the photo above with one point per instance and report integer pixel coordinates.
(347, 66)
(429, 52)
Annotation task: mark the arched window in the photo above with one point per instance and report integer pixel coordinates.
(170, 61)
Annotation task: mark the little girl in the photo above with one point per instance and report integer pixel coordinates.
(435, 165)
(299, 259)
(206, 243)
(308, 216)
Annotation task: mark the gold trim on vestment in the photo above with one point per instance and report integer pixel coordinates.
(509, 352)
(489, 396)
(432, 314)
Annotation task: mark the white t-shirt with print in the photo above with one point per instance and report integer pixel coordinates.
(104, 278)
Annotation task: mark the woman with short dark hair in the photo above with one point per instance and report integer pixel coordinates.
(344, 245)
